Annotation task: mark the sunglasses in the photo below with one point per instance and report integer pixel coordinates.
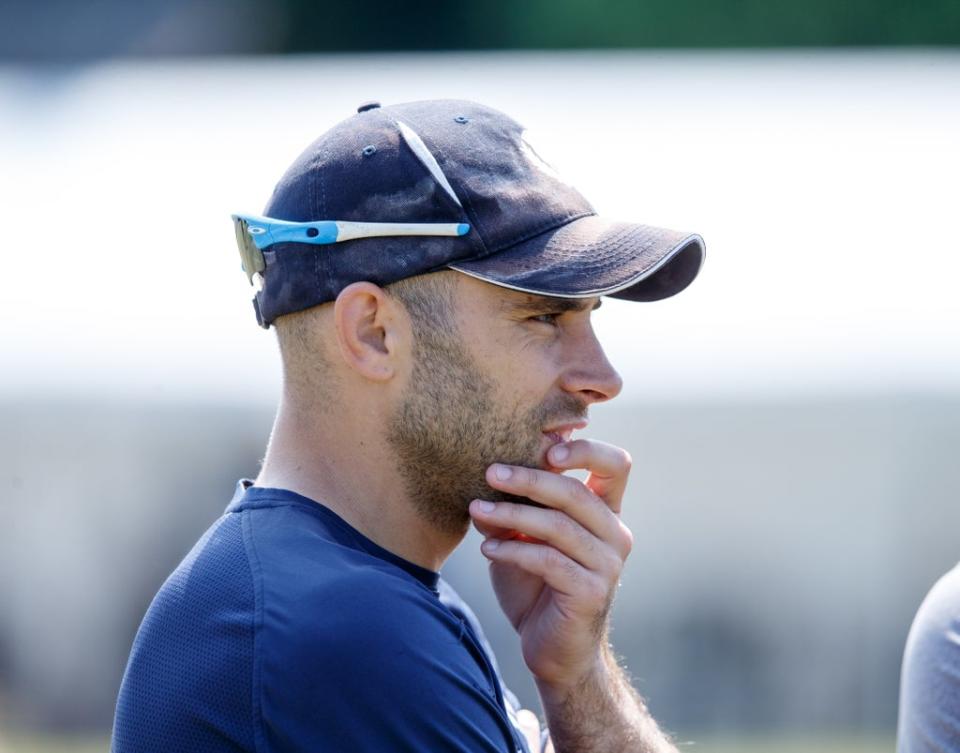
(256, 233)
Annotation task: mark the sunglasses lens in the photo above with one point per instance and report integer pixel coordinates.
(249, 253)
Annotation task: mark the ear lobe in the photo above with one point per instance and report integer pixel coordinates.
(364, 321)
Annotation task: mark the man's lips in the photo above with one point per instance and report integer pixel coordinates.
(562, 432)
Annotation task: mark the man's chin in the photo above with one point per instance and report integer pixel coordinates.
(534, 455)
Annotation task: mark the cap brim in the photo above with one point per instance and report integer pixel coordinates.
(593, 256)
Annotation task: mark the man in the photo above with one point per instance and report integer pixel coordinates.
(929, 720)
(431, 282)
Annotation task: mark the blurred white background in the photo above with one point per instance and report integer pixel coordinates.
(824, 185)
(794, 415)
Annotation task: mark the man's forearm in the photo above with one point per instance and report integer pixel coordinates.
(601, 714)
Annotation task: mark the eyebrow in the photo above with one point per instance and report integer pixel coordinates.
(540, 303)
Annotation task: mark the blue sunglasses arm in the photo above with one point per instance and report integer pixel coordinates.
(265, 231)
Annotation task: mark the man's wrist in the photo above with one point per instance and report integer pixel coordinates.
(596, 676)
(600, 711)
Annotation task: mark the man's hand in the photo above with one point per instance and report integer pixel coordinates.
(555, 569)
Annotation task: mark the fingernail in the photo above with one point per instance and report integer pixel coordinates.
(560, 452)
(503, 472)
(490, 545)
(485, 506)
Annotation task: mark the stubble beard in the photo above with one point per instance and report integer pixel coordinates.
(450, 427)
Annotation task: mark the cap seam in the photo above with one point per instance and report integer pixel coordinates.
(439, 153)
(552, 224)
(317, 260)
(466, 204)
(474, 224)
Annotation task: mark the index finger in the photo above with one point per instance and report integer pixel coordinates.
(608, 465)
(498, 532)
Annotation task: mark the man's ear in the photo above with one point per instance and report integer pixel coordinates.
(371, 332)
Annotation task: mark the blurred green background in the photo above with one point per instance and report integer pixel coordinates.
(61, 30)
(586, 24)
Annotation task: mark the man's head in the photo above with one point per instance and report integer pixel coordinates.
(431, 276)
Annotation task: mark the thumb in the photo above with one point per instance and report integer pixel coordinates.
(530, 727)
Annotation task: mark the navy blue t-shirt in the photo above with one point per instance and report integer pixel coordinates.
(285, 629)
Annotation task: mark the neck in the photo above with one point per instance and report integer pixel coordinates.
(335, 460)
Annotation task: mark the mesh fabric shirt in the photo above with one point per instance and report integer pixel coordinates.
(929, 719)
(285, 629)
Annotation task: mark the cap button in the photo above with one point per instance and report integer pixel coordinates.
(368, 106)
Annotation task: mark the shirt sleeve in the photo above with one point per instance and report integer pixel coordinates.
(929, 717)
(375, 668)
(452, 600)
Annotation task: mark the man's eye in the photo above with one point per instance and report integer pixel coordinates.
(550, 319)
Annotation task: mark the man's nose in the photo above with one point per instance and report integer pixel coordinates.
(591, 376)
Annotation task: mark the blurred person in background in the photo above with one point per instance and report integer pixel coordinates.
(431, 282)
(929, 718)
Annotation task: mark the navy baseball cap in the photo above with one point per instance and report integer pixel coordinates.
(403, 190)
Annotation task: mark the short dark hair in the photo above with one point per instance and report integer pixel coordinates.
(429, 300)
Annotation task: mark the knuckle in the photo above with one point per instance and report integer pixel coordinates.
(509, 511)
(562, 524)
(582, 496)
(627, 537)
(613, 566)
(624, 459)
(554, 559)
(571, 569)
(586, 540)
(569, 530)
(528, 478)
(598, 591)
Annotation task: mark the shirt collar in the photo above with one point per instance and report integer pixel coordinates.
(247, 496)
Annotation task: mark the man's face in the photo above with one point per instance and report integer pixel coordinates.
(511, 379)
